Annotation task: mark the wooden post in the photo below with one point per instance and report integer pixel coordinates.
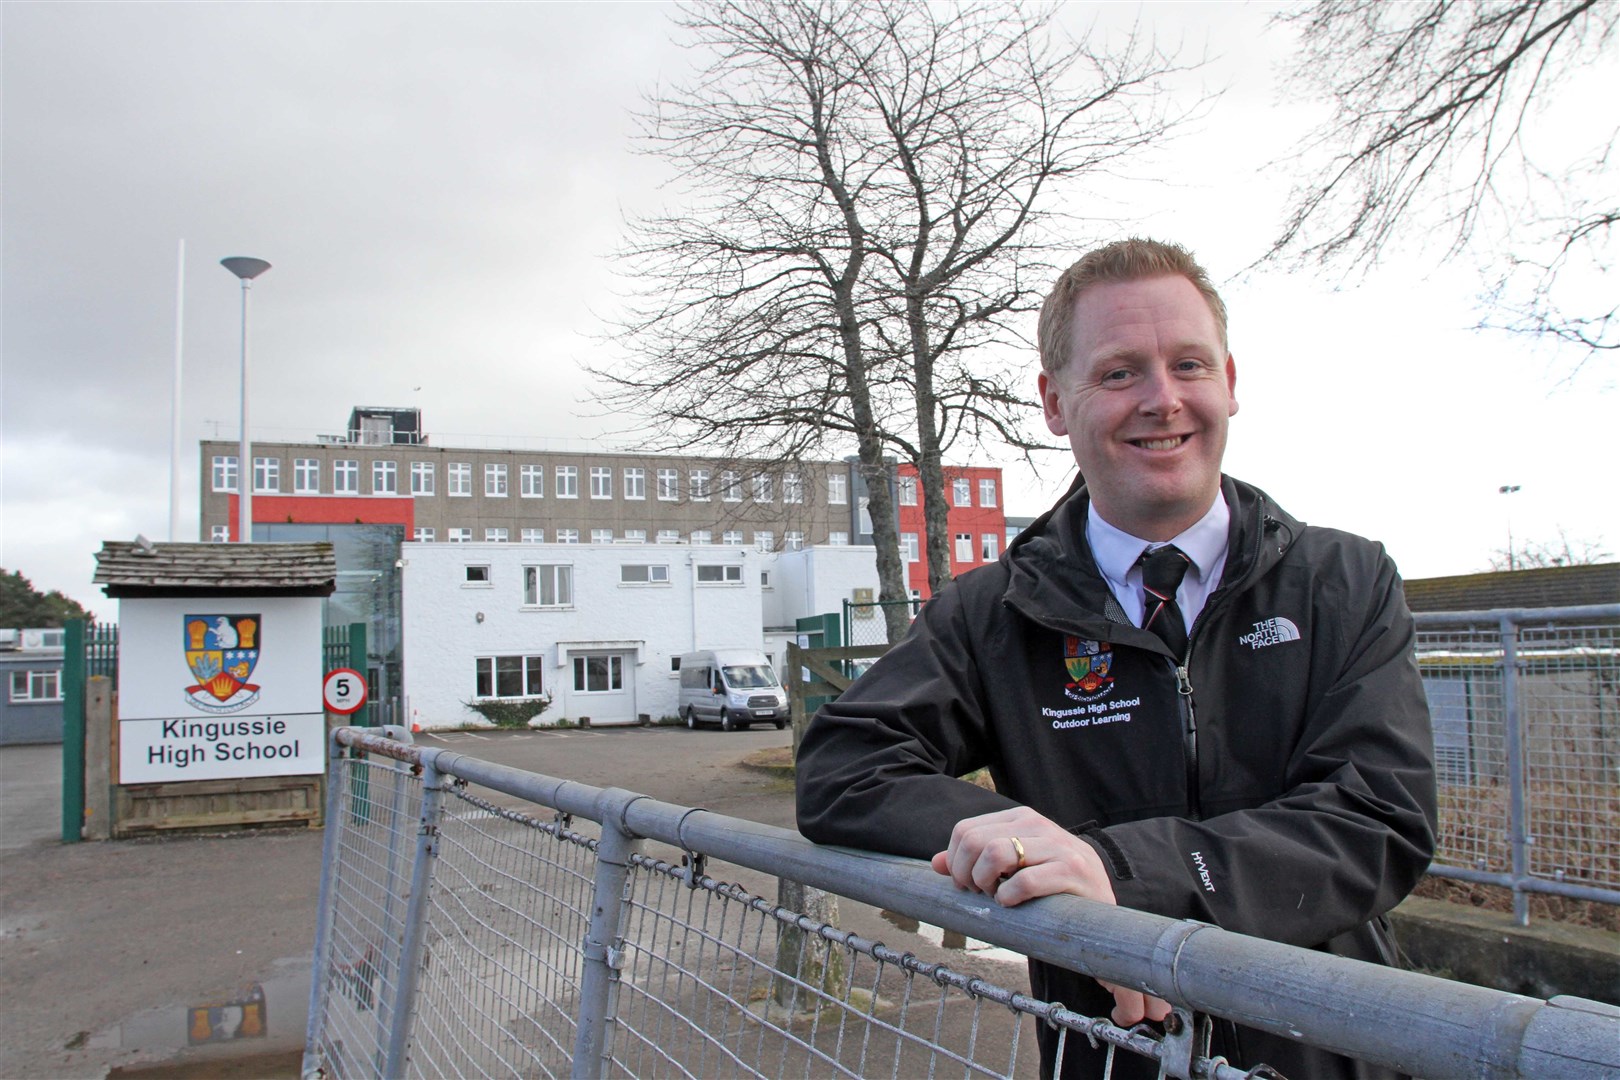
(98, 758)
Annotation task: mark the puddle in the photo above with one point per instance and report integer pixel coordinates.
(950, 939)
(262, 1018)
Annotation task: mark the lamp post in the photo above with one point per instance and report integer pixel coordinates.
(1509, 489)
(247, 269)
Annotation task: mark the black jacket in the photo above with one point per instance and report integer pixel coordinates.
(1285, 790)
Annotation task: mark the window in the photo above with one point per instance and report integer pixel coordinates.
(567, 536)
(908, 546)
(989, 547)
(644, 574)
(764, 579)
(669, 484)
(267, 474)
(964, 547)
(225, 474)
(346, 477)
(763, 490)
(459, 536)
(669, 536)
(532, 481)
(36, 686)
(764, 540)
(384, 478)
(837, 489)
(700, 485)
(533, 536)
(731, 538)
(548, 585)
(961, 492)
(730, 487)
(306, 476)
(601, 482)
(792, 488)
(458, 478)
(601, 536)
(567, 481)
(507, 676)
(635, 483)
(793, 541)
(497, 536)
(908, 491)
(476, 573)
(421, 478)
(495, 481)
(987, 492)
(634, 536)
(702, 536)
(719, 574)
(838, 539)
(422, 534)
(598, 674)
(219, 534)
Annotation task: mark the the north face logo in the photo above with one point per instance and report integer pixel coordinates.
(1270, 632)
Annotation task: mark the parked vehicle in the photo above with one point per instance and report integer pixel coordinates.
(734, 688)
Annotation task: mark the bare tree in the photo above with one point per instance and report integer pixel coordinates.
(864, 188)
(1564, 551)
(1433, 133)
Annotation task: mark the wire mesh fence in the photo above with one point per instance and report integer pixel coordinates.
(1526, 714)
(481, 921)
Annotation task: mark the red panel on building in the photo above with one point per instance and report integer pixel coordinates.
(975, 520)
(329, 510)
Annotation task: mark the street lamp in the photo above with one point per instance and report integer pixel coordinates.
(1509, 489)
(247, 269)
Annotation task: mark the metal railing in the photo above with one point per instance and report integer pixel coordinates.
(1526, 713)
(477, 920)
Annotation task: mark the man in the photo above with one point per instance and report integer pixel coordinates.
(1191, 703)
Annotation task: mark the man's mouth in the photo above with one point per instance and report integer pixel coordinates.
(1167, 443)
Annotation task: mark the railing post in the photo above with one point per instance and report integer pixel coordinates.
(598, 990)
(409, 959)
(1518, 825)
(337, 769)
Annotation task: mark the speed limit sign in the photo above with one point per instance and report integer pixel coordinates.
(344, 690)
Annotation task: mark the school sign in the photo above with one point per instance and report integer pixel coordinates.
(220, 659)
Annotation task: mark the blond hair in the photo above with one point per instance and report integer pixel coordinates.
(1121, 261)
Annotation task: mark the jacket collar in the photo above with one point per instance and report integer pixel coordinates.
(1054, 580)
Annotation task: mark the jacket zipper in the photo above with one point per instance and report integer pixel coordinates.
(1189, 736)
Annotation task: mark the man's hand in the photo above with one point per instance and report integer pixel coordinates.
(982, 857)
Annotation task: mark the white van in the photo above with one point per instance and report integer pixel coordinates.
(731, 687)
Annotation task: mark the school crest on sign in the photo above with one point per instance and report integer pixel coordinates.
(221, 651)
(1088, 663)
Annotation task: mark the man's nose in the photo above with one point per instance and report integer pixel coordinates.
(1161, 392)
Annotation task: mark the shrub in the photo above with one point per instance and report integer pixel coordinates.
(511, 714)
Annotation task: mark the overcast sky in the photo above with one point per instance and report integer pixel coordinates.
(441, 188)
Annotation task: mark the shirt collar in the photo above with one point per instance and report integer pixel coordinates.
(1203, 542)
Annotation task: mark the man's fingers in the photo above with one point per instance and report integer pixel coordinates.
(1131, 1007)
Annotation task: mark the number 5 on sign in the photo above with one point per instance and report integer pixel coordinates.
(344, 691)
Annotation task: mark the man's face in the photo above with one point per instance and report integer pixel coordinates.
(1144, 400)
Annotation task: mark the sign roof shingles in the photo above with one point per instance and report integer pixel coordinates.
(147, 569)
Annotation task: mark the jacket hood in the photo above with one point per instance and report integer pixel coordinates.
(1054, 580)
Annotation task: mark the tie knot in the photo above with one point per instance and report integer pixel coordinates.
(1163, 569)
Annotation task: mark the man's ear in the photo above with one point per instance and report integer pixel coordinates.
(1052, 404)
(1231, 385)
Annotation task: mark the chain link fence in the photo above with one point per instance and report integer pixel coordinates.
(1526, 713)
(865, 624)
(476, 920)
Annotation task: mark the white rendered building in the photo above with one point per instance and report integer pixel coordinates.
(599, 627)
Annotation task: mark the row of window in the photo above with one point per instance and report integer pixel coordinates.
(36, 686)
(699, 484)
(519, 676)
(989, 547)
(961, 491)
(552, 584)
(764, 539)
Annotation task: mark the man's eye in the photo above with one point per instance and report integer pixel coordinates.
(1117, 375)
(1190, 365)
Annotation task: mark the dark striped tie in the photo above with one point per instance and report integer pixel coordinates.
(1162, 571)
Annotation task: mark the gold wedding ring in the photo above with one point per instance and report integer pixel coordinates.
(1018, 849)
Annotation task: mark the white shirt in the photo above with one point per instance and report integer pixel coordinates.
(1118, 556)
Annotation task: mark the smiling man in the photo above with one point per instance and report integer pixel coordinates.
(1190, 702)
